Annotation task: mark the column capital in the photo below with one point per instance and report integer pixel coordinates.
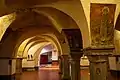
(97, 59)
(75, 57)
(76, 54)
(103, 51)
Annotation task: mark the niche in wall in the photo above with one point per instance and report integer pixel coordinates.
(30, 58)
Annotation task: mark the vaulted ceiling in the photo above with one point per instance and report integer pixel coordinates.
(30, 19)
(29, 2)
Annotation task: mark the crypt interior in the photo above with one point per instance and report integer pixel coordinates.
(59, 40)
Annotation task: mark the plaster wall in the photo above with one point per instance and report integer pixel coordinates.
(54, 55)
(117, 42)
(28, 64)
(32, 50)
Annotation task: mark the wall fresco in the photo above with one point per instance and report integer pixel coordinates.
(74, 39)
(102, 24)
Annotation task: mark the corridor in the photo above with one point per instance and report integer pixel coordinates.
(72, 34)
(49, 74)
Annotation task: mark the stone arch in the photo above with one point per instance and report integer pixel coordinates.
(37, 55)
(46, 36)
(12, 40)
(33, 53)
(50, 12)
(37, 52)
(35, 38)
(26, 49)
(54, 41)
(25, 43)
(58, 46)
(35, 43)
(78, 23)
(22, 46)
(56, 20)
(28, 35)
(45, 10)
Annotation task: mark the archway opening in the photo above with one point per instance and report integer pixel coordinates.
(48, 57)
(32, 48)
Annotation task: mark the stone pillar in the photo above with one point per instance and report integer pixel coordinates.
(65, 67)
(102, 39)
(98, 68)
(75, 67)
(99, 62)
(19, 66)
(60, 64)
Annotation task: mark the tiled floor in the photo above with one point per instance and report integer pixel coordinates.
(41, 75)
(49, 74)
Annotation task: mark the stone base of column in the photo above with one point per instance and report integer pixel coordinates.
(36, 68)
(66, 78)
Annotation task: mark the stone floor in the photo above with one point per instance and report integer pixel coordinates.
(49, 74)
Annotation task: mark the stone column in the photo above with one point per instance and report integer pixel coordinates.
(75, 67)
(65, 67)
(60, 64)
(19, 66)
(98, 68)
(99, 62)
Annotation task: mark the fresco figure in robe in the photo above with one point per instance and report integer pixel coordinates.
(104, 24)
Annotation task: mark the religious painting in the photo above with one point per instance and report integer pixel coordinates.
(102, 24)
